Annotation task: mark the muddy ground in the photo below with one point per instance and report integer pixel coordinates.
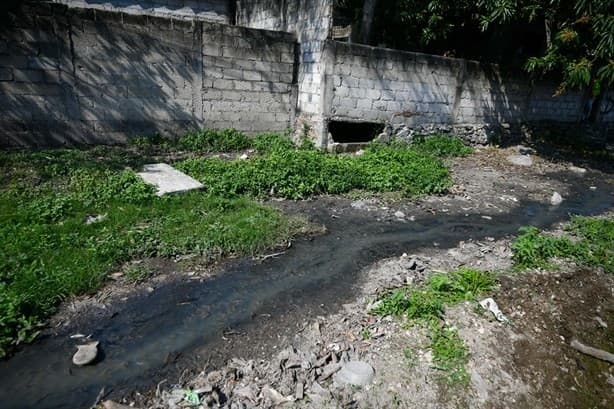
(290, 359)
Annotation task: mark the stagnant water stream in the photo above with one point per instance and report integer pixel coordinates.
(184, 316)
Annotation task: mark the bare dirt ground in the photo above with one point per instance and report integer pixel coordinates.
(293, 361)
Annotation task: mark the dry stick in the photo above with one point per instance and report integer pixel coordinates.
(594, 352)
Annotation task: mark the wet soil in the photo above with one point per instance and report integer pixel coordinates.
(171, 329)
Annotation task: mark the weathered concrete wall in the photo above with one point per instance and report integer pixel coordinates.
(208, 10)
(311, 21)
(372, 84)
(82, 75)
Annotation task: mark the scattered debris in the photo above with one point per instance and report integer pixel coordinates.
(594, 352)
(95, 219)
(491, 305)
(86, 354)
(601, 322)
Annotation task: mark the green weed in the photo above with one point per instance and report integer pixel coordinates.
(298, 172)
(590, 242)
(137, 273)
(424, 305)
(441, 145)
(209, 140)
(450, 354)
(427, 301)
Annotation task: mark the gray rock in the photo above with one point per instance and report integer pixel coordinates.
(383, 137)
(109, 404)
(520, 160)
(556, 199)
(356, 373)
(578, 170)
(399, 215)
(86, 354)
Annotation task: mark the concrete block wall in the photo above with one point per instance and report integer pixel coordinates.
(248, 78)
(311, 22)
(208, 10)
(89, 76)
(372, 84)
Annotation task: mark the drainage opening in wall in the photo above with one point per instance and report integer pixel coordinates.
(354, 132)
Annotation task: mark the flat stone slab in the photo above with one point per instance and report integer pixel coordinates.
(168, 179)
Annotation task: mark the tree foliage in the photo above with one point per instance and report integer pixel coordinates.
(582, 47)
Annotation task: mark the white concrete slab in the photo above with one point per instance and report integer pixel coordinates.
(168, 179)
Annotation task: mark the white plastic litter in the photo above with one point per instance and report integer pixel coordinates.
(491, 305)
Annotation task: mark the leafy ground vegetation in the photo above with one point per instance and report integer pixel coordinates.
(589, 242)
(424, 305)
(51, 249)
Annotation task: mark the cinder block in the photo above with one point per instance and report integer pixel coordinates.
(252, 76)
(212, 49)
(232, 74)
(28, 76)
(43, 63)
(16, 62)
(364, 104)
(224, 84)
(6, 74)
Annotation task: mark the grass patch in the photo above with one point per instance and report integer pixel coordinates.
(300, 171)
(589, 241)
(450, 354)
(50, 253)
(424, 305)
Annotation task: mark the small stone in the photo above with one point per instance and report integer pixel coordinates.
(275, 397)
(356, 373)
(399, 215)
(556, 199)
(578, 170)
(601, 322)
(520, 160)
(383, 137)
(86, 354)
(109, 404)
(244, 157)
